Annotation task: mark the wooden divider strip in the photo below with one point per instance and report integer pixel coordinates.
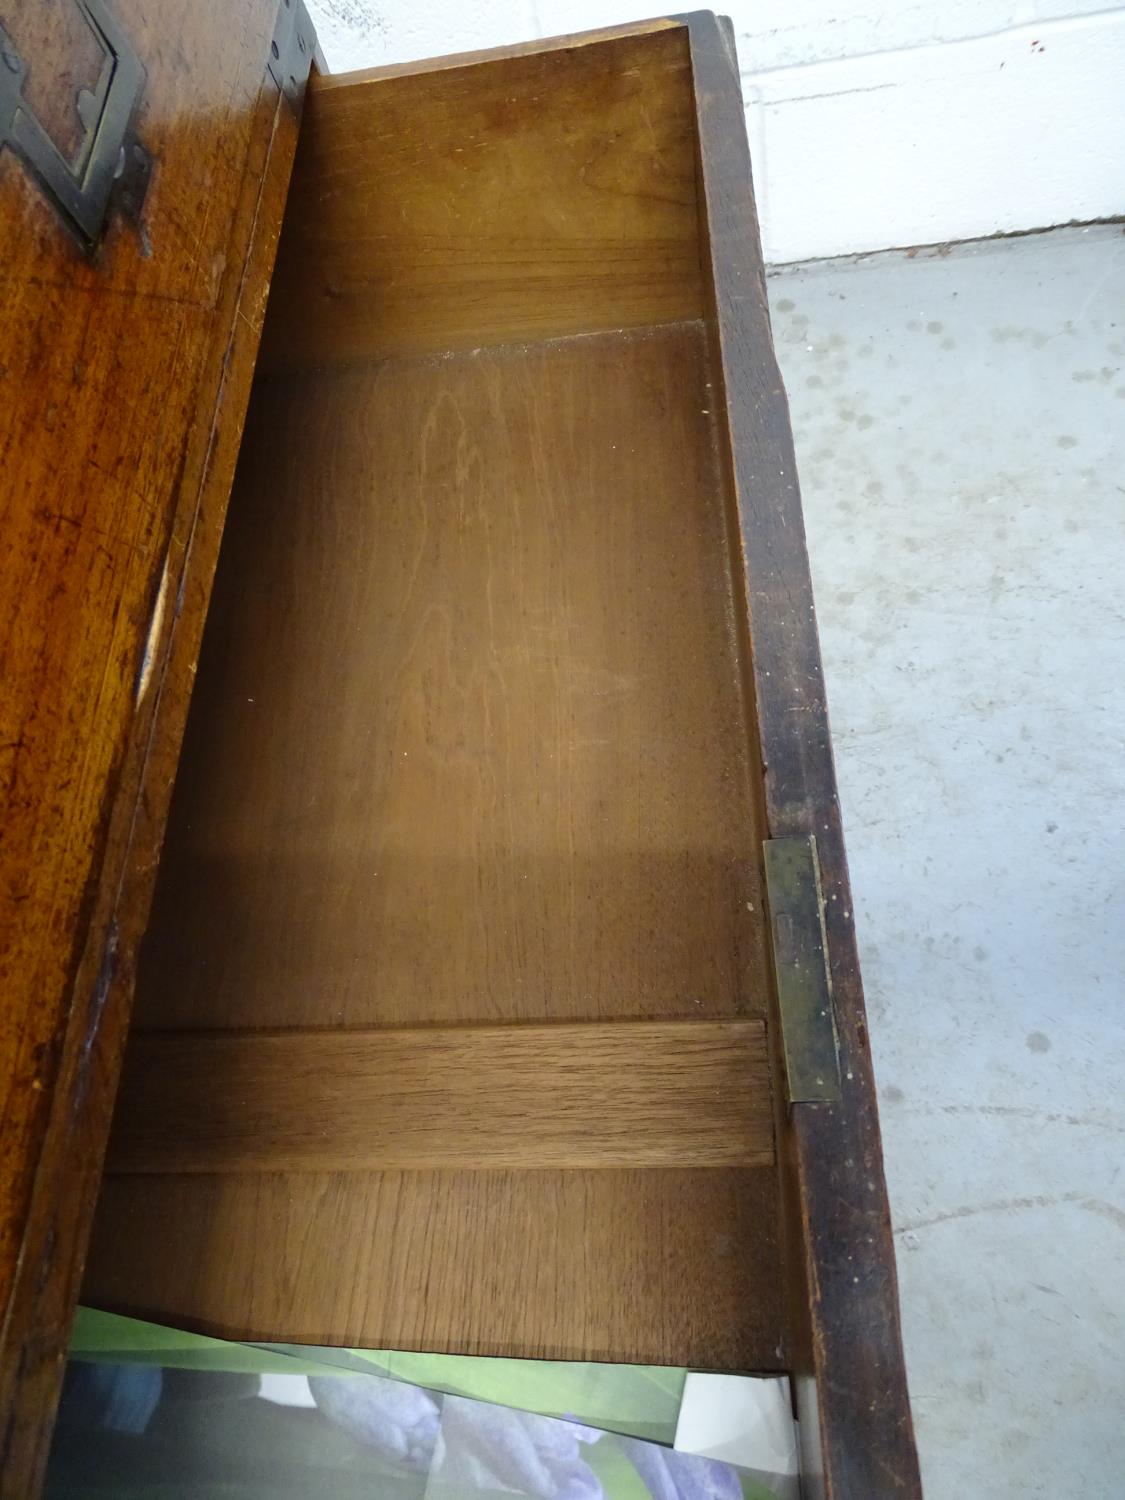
(636, 1094)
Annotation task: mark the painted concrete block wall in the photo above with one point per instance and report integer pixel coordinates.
(871, 125)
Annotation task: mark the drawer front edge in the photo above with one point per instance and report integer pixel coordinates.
(857, 1433)
(239, 133)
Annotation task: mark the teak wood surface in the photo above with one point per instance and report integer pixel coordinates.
(124, 377)
(468, 742)
(549, 191)
(650, 1094)
(550, 1264)
(856, 1428)
(468, 751)
(512, 667)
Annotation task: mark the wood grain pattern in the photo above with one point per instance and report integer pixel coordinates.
(468, 746)
(471, 741)
(538, 194)
(661, 1094)
(660, 1267)
(126, 378)
(567, 42)
(852, 1393)
(468, 742)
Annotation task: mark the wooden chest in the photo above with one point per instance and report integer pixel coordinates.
(499, 991)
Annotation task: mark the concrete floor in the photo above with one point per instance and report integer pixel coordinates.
(960, 422)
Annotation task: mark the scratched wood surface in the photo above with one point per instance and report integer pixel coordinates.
(845, 1342)
(124, 378)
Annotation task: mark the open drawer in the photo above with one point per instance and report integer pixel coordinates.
(500, 993)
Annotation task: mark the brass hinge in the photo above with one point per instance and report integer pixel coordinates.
(804, 985)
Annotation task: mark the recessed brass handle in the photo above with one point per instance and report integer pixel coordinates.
(81, 190)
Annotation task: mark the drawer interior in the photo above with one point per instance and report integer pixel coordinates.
(452, 1022)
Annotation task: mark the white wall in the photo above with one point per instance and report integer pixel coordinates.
(870, 124)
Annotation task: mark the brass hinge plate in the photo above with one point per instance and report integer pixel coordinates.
(800, 956)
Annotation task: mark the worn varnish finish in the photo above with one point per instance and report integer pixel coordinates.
(124, 379)
(854, 1386)
(650, 1094)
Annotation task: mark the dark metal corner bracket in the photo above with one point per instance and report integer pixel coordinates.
(293, 50)
(109, 164)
